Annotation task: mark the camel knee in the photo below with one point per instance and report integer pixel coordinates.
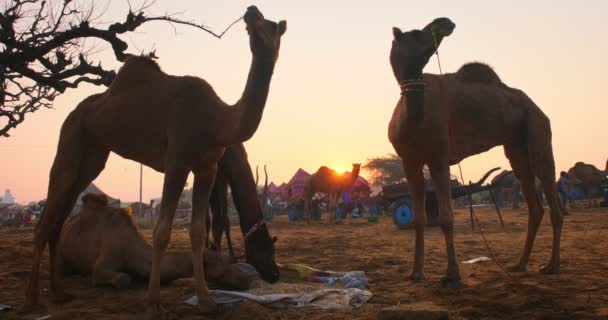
(197, 233)
(161, 237)
(446, 221)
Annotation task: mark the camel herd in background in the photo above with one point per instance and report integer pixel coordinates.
(439, 120)
(584, 183)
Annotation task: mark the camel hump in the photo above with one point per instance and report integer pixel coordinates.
(479, 73)
(95, 200)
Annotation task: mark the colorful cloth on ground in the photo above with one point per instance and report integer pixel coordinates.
(345, 290)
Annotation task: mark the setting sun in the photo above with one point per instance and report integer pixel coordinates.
(340, 169)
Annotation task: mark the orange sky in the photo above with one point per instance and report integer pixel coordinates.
(333, 91)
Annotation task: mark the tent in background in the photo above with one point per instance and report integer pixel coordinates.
(298, 183)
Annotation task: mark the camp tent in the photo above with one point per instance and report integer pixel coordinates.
(298, 183)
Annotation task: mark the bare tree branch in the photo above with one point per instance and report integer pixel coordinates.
(43, 51)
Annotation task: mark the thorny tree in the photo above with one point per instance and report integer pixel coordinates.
(43, 51)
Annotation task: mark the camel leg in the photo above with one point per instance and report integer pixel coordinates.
(332, 207)
(176, 174)
(73, 169)
(546, 173)
(415, 178)
(440, 173)
(228, 239)
(518, 157)
(219, 206)
(203, 182)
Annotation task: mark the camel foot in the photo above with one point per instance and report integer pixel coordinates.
(121, 281)
(520, 267)
(61, 298)
(451, 282)
(549, 268)
(417, 276)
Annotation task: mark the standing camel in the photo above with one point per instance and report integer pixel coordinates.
(332, 183)
(443, 119)
(172, 124)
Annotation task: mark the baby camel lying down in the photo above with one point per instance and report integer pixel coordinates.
(104, 242)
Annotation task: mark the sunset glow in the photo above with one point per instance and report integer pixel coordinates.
(333, 91)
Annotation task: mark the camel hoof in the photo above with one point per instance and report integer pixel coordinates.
(517, 268)
(60, 298)
(451, 283)
(417, 276)
(549, 268)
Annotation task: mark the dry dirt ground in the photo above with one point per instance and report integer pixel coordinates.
(385, 253)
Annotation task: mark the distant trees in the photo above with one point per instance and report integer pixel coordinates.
(383, 170)
(46, 47)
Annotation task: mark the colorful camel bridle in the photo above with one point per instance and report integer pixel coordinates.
(411, 86)
(255, 228)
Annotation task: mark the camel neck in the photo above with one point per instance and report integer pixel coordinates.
(250, 107)
(414, 104)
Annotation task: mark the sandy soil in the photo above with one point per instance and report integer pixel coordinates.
(386, 254)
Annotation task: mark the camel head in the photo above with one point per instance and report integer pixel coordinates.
(259, 250)
(412, 50)
(264, 35)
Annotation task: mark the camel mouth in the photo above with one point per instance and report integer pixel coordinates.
(253, 16)
(443, 26)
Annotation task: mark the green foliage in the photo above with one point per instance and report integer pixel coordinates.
(383, 170)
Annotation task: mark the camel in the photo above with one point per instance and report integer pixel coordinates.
(588, 178)
(332, 183)
(173, 124)
(507, 189)
(440, 120)
(235, 171)
(104, 242)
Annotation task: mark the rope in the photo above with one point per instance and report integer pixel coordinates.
(483, 236)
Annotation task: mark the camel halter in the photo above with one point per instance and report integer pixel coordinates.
(411, 86)
(255, 228)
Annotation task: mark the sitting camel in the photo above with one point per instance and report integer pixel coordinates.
(172, 124)
(104, 242)
(442, 119)
(330, 182)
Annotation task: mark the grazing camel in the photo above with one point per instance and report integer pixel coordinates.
(588, 178)
(172, 124)
(443, 119)
(104, 242)
(330, 182)
(235, 171)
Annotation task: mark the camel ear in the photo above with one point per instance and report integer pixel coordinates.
(282, 27)
(397, 33)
